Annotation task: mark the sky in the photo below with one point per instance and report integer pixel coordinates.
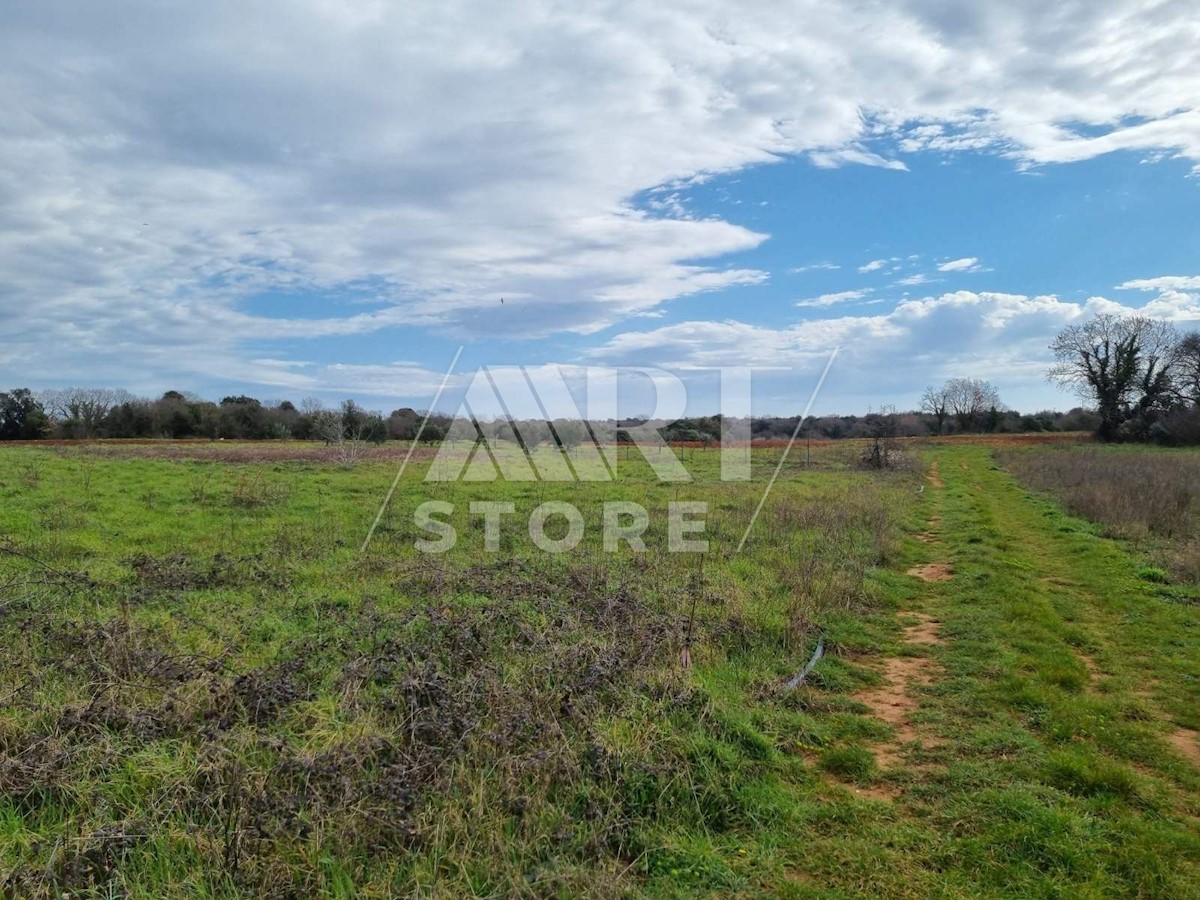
(329, 198)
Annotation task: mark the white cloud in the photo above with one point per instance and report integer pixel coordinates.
(1002, 337)
(873, 266)
(913, 328)
(845, 156)
(966, 264)
(158, 165)
(1162, 283)
(826, 300)
(911, 280)
(812, 267)
(1178, 297)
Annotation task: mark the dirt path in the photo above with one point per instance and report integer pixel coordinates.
(935, 475)
(1043, 569)
(1034, 687)
(932, 534)
(1187, 742)
(936, 571)
(896, 699)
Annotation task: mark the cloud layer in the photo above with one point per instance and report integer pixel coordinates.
(159, 164)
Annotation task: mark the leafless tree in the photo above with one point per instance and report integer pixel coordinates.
(311, 406)
(884, 451)
(936, 402)
(971, 400)
(348, 429)
(1187, 368)
(80, 411)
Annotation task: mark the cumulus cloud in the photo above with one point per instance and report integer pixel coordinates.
(161, 164)
(1178, 297)
(813, 267)
(1002, 337)
(915, 326)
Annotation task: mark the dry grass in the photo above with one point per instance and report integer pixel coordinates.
(1150, 497)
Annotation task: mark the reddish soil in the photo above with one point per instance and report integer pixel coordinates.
(935, 476)
(881, 791)
(188, 449)
(893, 702)
(1187, 742)
(926, 632)
(938, 571)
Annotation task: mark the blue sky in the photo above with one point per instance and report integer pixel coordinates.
(330, 199)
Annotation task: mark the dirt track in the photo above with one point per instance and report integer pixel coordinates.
(311, 451)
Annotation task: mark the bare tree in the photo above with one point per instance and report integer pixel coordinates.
(81, 411)
(311, 406)
(936, 402)
(884, 451)
(348, 429)
(1122, 363)
(1187, 369)
(971, 400)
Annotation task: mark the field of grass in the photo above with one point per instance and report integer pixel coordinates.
(1150, 497)
(209, 691)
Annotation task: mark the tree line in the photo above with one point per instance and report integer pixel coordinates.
(961, 405)
(88, 413)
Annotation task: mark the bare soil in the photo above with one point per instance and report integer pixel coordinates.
(935, 475)
(1090, 664)
(271, 450)
(938, 571)
(894, 701)
(1187, 742)
(926, 632)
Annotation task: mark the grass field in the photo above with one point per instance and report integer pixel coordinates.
(209, 691)
(1149, 498)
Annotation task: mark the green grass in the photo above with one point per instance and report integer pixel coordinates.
(208, 691)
